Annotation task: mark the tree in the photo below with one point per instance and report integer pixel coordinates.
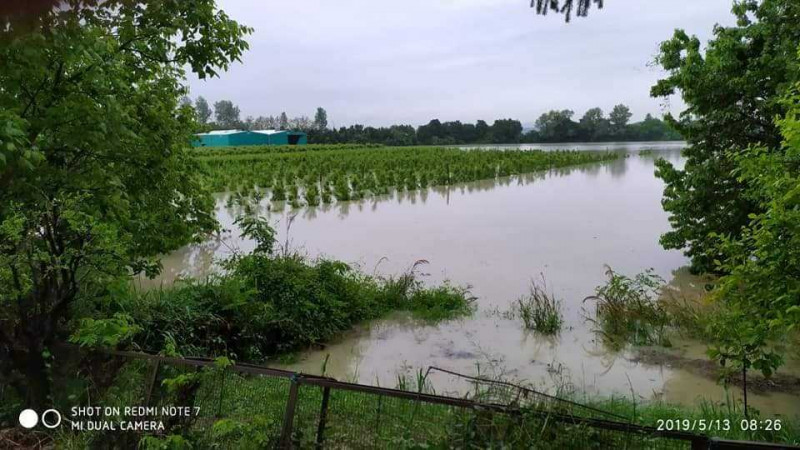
(556, 126)
(321, 119)
(481, 131)
(506, 131)
(618, 118)
(227, 114)
(202, 110)
(186, 102)
(651, 129)
(733, 91)
(761, 289)
(302, 123)
(426, 133)
(283, 122)
(762, 265)
(593, 125)
(95, 180)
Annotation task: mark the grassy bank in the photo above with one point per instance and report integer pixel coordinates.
(262, 307)
(243, 411)
(324, 174)
(262, 304)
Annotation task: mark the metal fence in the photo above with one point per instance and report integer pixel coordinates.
(282, 409)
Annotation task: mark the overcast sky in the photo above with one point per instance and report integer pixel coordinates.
(380, 62)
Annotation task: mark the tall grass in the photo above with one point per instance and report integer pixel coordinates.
(539, 310)
(628, 310)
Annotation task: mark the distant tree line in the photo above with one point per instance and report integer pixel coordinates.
(225, 115)
(552, 126)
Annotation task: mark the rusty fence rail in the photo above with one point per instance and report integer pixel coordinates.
(306, 411)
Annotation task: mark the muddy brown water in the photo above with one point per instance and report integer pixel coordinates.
(495, 236)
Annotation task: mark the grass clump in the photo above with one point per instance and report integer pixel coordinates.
(443, 302)
(539, 310)
(440, 303)
(628, 310)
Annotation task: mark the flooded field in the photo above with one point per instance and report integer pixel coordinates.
(495, 236)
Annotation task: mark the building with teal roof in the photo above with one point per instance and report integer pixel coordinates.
(234, 138)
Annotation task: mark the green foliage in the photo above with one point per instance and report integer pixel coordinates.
(374, 170)
(170, 442)
(181, 381)
(732, 90)
(627, 310)
(764, 262)
(440, 303)
(618, 119)
(259, 231)
(539, 310)
(741, 343)
(558, 126)
(202, 110)
(94, 177)
(553, 126)
(253, 433)
(266, 304)
(761, 290)
(321, 119)
(226, 114)
(104, 332)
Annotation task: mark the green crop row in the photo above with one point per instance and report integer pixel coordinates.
(326, 175)
(261, 149)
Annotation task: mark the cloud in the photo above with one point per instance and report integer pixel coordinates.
(379, 62)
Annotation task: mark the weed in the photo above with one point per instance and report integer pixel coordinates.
(539, 310)
(627, 310)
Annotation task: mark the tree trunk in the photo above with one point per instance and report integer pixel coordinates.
(30, 376)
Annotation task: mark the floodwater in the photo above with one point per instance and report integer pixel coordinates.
(631, 147)
(566, 225)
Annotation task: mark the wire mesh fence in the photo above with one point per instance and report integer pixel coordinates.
(282, 409)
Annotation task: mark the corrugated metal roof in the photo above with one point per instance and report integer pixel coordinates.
(221, 132)
(224, 132)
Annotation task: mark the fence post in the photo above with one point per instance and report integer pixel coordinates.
(323, 416)
(221, 392)
(151, 382)
(702, 443)
(288, 417)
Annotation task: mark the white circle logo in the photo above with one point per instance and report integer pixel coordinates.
(28, 418)
(51, 423)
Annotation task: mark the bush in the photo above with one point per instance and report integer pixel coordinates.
(266, 304)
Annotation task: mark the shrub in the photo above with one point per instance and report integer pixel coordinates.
(266, 304)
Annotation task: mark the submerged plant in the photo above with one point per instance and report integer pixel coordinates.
(352, 172)
(628, 310)
(539, 310)
(311, 195)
